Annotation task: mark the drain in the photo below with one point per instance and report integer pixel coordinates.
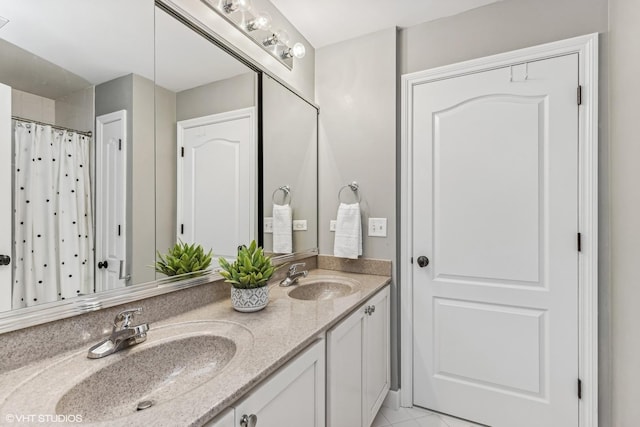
(145, 404)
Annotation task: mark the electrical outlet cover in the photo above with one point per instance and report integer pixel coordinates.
(268, 225)
(378, 227)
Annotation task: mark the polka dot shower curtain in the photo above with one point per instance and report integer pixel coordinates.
(53, 222)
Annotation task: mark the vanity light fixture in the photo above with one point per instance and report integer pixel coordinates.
(3, 21)
(257, 26)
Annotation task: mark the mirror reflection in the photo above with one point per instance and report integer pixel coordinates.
(120, 144)
(290, 170)
(206, 143)
(78, 107)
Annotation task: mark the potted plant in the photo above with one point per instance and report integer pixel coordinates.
(249, 275)
(183, 258)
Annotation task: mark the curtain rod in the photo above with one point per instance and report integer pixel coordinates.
(20, 119)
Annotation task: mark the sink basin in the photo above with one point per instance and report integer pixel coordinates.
(173, 361)
(323, 288)
(154, 374)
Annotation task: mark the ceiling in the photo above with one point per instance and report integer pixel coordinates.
(324, 22)
(98, 41)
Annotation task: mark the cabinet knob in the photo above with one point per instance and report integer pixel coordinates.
(372, 310)
(5, 260)
(249, 420)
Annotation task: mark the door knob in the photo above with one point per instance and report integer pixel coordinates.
(5, 260)
(249, 421)
(423, 261)
(104, 264)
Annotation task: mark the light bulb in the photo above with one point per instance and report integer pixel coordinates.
(298, 50)
(231, 6)
(283, 37)
(262, 21)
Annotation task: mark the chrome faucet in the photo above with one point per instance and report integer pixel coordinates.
(293, 274)
(122, 336)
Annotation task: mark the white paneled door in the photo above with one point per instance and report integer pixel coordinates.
(217, 181)
(6, 162)
(495, 213)
(111, 196)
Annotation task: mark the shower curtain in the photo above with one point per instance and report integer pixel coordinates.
(53, 221)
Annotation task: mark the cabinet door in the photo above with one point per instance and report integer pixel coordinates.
(345, 372)
(225, 419)
(293, 396)
(377, 366)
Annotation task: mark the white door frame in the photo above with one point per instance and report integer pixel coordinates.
(587, 49)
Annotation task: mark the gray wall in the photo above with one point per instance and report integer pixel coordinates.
(166, 184)
(625, 209)
(290, 157)
(218, 97)
(143, 180)
(76, 110)
(356, 91)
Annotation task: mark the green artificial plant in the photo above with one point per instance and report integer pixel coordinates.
(183, 258)
(252, 269)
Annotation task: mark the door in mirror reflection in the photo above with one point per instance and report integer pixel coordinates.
(218, 152)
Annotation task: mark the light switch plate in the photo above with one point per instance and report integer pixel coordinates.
(378, 227)
(332, 225)
(268, 225)
(299, 225)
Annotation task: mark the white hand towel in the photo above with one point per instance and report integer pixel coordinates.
(348, 239)
(282, 229)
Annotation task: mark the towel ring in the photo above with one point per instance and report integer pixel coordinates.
(287, 192)
(354, 187)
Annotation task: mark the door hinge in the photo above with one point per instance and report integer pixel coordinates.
(118, 229)
(579, 388)
(579, 242)
(119, 145)
(579, 95)
(411, 260)
(181, 228)
(182, 151)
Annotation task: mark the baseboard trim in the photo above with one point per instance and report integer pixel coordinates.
(392, 400)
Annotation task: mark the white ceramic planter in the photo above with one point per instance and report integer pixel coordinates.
(248, 300)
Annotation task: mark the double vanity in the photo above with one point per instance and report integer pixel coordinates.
(320, 349)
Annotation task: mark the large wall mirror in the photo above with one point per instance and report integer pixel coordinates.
(121, 143)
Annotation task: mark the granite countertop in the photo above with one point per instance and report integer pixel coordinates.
(266, 340)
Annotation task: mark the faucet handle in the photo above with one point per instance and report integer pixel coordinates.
(126, 317)
(293, 268)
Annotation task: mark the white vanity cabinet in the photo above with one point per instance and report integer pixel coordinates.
(358, 364)
(293, 396)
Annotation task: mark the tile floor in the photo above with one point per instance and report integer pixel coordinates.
(415, 417)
